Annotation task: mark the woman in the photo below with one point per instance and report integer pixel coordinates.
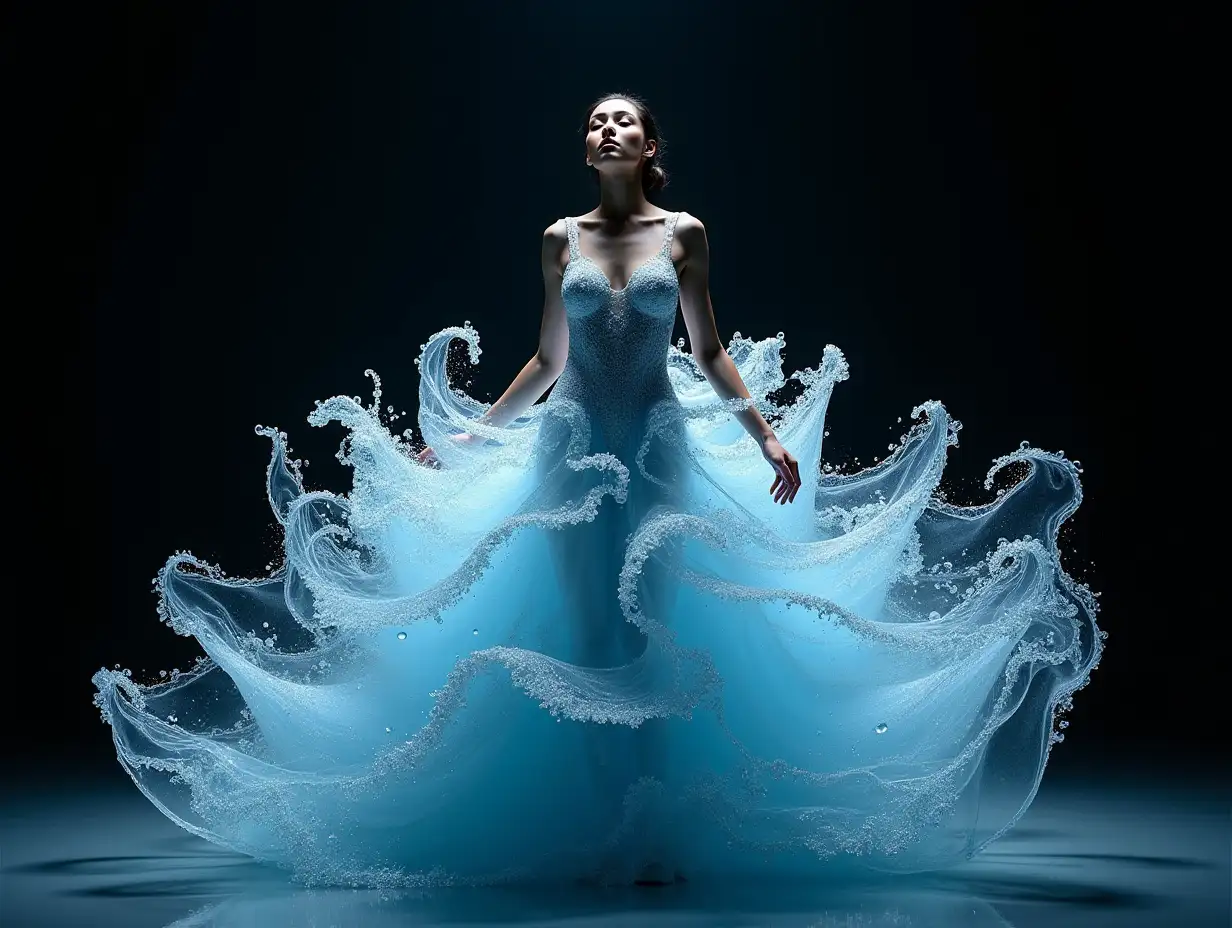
(643, 666)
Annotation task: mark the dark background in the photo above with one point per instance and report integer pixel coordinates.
(228, 213)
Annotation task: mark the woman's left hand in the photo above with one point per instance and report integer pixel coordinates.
(786, 470)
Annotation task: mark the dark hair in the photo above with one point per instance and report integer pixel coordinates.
(653, 176)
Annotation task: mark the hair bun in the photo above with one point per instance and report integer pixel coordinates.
(655, 178)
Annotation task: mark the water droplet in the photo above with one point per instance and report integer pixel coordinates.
(882, 728)
(934, 616)
(388, 729)
(475, 632)
(402, 636)
(265, 624)
(1063, 724)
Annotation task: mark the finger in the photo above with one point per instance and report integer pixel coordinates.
(777, 480)
(795, 472)
(785, 488)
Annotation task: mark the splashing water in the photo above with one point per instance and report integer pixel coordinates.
(718, 657)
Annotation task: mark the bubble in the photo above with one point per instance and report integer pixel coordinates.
(402, 636)
(475, 631)
(882, 728)
(388, 729)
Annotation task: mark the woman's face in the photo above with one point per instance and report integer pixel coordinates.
(615, 135)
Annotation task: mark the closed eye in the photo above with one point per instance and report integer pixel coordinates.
(624, 120)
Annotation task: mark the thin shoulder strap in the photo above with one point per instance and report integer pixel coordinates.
(572, 231)
(669, 229)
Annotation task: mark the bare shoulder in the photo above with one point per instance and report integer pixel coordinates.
(691, 234)
(555, 234)
(555, 241)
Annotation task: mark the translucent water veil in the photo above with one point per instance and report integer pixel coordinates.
(562, 656)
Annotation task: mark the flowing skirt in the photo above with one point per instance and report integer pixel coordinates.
(558, 656)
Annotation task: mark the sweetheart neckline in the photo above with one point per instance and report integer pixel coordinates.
(657, 256)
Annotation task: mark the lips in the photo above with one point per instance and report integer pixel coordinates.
(609, 143)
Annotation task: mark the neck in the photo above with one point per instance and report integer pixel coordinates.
(621, 197)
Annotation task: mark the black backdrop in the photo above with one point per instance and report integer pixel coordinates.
(231, 212)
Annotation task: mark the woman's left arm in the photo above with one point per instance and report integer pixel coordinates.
(714, 361)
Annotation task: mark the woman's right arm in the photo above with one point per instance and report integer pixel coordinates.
(542, 370)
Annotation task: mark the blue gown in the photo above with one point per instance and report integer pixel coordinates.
(594, 643)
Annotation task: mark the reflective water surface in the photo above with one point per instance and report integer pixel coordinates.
(1096, 856)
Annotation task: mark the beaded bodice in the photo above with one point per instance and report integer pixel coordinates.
(618, 339)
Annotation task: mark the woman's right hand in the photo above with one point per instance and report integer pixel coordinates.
(428, 457)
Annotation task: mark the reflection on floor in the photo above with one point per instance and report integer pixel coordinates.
(1089, 856)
